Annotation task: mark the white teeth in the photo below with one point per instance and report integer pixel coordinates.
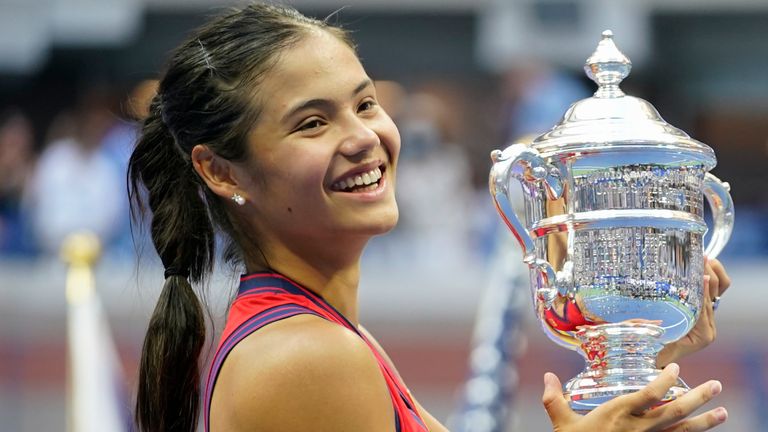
(367, 179)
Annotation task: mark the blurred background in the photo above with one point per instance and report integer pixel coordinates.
(460, 77)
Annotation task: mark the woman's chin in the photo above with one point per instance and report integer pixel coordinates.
(381, 224)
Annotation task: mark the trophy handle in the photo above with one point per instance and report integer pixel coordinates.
(523, 163)
(718, 195)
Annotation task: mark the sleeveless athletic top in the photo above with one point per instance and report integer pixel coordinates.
(264, 298)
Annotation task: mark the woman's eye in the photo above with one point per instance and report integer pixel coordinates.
(312, 124)
(367, 105)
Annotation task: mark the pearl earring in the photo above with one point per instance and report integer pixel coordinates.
(237, 198)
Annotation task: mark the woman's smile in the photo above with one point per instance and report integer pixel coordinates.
(368, 180)
(372, 186)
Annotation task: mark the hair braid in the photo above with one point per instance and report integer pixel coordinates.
(182, 233)
(208, 96)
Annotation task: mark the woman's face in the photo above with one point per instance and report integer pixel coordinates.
(323, 152)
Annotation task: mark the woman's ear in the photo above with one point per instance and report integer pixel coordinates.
(218, 173)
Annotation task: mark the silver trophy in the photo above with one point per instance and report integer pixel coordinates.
(612, 231)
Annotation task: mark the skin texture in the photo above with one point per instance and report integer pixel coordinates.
(285, 377)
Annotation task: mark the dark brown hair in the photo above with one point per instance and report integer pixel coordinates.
(206, 96)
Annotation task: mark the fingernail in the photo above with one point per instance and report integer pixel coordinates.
(721, 414)
(715, 388)
(674, 368)
(547, 378)
(707, 278)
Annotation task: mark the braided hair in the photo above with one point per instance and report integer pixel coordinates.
(206, 96)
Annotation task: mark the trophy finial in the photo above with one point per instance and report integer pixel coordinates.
(607, 67)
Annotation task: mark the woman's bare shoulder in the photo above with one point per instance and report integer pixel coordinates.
(302, 373)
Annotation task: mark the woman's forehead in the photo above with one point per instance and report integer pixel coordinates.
(319, 66)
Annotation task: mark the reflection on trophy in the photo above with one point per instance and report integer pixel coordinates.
(613, 230)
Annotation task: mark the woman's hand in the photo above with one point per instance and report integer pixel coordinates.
(716, 282)
(633, 413)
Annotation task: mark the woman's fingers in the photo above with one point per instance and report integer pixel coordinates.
(710, 291)
(554, 402)
(708, 312)
(651, 394)
(632, 412)
(724, 281)
(713, 280)
(677, 410)
(701, 422)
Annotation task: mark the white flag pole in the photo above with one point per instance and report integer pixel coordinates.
(95, 401)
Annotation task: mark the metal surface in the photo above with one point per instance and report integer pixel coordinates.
(613, 231)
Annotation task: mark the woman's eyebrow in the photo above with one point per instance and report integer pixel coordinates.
(323, 104)
(362, 86)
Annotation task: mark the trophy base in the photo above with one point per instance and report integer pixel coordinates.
(621, 359)
(590, 389)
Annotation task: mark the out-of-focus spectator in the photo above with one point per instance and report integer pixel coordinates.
(16, 164)
(536, 97)
(118, 144)
(121, 136)
(433, 185)
(75, 185)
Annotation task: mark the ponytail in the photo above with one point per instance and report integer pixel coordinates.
(169, 377)
(206, 96)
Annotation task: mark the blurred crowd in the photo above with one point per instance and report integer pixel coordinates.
(75, 177)
(75, 180)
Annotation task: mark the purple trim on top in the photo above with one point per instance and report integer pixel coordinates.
(393, 377)
(254, 323)
(277, 281)
(263, 290)
(418, 419)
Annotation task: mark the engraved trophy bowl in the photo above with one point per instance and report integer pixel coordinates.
(612, 231)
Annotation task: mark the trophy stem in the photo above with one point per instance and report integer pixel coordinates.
(621, 359)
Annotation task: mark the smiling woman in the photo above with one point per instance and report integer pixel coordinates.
(320, 124)
(267, 129)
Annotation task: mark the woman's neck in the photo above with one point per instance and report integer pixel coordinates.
(325, 273)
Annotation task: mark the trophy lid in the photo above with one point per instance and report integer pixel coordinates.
(611, 120)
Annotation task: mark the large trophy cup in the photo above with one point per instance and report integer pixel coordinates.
(612, 231)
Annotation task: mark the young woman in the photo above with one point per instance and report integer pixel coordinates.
(266, 128)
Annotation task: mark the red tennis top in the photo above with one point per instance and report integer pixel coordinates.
(264, 298)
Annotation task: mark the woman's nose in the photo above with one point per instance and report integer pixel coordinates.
(359, 138)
